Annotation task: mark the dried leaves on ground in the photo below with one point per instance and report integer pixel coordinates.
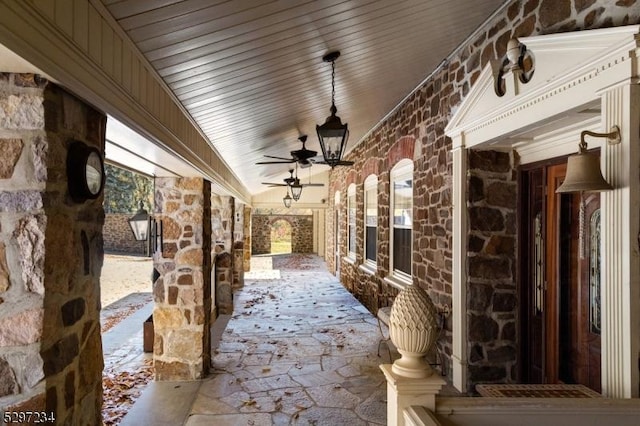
(113, 320)
(121, 389)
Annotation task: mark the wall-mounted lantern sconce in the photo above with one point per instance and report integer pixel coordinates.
(287, 200)
(139, 224)
(583, 169)
(146, 228)
(517, 60)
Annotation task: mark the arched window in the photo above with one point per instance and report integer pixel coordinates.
(370, 220)
(401, 200)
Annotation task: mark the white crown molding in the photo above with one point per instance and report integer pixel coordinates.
(571, 70)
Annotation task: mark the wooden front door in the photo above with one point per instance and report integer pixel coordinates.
(560, 281)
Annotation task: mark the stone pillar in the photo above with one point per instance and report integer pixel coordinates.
(301, 234)
(238, 267)
(224, 277)
(492, 302)
(403, 392)
(50, 256)
(260, 234)
(182, 291)
(246, 257)
(238, 246)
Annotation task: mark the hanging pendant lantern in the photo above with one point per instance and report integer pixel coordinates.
(333, 134)
(296, 189)
(287, 200)
(583, 169)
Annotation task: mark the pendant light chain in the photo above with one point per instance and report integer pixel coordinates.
(333, 83)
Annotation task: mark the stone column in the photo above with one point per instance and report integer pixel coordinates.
(182, 292)
(246, 257)
(238, 246)
(224, 277)
(50, 256)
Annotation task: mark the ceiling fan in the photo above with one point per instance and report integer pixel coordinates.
(301, 156)
(292, 181)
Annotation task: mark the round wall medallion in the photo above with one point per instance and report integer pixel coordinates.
(85, 172)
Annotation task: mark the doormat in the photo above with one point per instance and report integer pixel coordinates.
(537, 391)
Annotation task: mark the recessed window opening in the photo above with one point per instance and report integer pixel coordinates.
(401, 180)
(351, 217)
(370, 219)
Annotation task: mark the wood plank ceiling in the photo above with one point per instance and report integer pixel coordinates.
(250, 72)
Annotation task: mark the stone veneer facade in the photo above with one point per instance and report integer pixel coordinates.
(182, 290)
(50, 255)
(301, 233)
(422, 117)
(492, 301)
(118, 237)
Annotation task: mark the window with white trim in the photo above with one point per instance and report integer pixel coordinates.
(401, 180)
(351, 220)
(370, 219)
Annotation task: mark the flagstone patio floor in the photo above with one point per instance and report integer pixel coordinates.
(298, 350)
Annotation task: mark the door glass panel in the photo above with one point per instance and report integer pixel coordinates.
(538, 274)
(594, 272)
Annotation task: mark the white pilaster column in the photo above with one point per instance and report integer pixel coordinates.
(620, 261)
(403, 392)
(459, 285)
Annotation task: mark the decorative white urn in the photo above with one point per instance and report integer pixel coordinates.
(413, 329)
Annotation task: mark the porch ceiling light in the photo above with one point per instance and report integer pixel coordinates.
(287, 200)
(583, 169)
(139, 224)
(333, 134)
(296, 189)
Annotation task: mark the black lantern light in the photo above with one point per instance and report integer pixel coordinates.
(296, 189)
(333, 134)
(139, 224)
(287, 200)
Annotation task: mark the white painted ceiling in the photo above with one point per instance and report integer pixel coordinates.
(251, 73)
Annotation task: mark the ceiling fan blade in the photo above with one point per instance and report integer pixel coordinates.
(274, 184)
(313, 184)
(280, 158)
(275, 162)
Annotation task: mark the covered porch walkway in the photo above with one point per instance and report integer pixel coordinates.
(299, 349)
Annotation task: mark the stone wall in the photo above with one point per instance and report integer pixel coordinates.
(50, 256)
(228, 224)
(301, 233)
(492, 298)
(260, 234)
(246, 230)
(422, 117)
(182, 291)
(118, 237)
(222, 222)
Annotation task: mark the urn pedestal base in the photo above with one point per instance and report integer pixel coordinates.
(412, 365)
(403, 392)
